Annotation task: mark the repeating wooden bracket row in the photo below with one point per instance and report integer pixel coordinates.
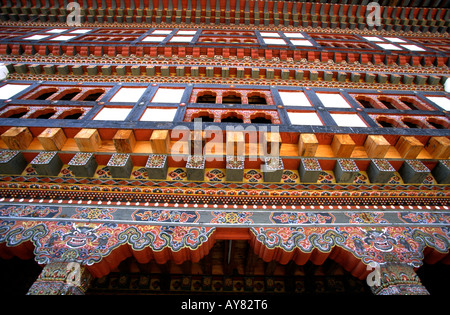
(283, 53)
(277, 13)
(235, 143)
(238, 72)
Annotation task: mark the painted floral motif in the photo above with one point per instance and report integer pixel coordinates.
(383, 165)
(365, 217)
(89, 243)
(301, 218)
(118, 160)
(94, 213)
(177, 174)
(225, 217)
(235, 162)
(166, 216)
(311, 164)
(215, 175)
(195, 161)
(43, 158)
(7, 155)
(29, 211)
(417, 165)
(156, 161)
(424, 217)
(253, 176)
(348, 165)
(290, 176)
(274, 163)
(81, 158)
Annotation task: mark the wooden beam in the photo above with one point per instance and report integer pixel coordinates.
(438, 147)
(307, 144)
(88, 140)
(376, 146)
(124, 141)
(408, 147)
(17, 138)
(52, 139)
(342, 145)
(160, 141)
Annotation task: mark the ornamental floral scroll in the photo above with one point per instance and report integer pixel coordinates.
(89, 243)
(397, 244)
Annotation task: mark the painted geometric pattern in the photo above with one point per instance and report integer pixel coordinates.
(218, 175)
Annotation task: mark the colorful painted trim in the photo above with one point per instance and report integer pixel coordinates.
(7, 155)
(81, 158)
(118, 160)
(89, 243)
(156, 161)
(380, 245)
(196, 161)
(43, 158)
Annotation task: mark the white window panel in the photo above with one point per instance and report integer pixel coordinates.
(181, 39)
(154, 39)
(168, 95)
(36, 37)
(56, 30)
(274, 41)
(294, 99)
(389, 47)
(62, 37)
(442, 101)
(128, 95)
(413, 47)
(81, 31)
(186, 32)
(113, 114)
(269, 34)
(333, 100)
(158, 114)
(161, 32)
(373, 38)
(306, 119)
(395, 39)
(301, 42)
(348, 120)
(294, 35)
(9, 90)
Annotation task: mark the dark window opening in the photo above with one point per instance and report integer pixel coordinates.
(231, 99)
(260, 120)
(15, 113)
(73, 116)
(436, 125)
(206, 98)
(93, 97)
(44, 96)
(45, 115)
(205, 118)
(410, 105)
(411, 124)
(385, 124)
(69, 96)
(388, 104)
(232, 119)
(256, 99)
(365, 103)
